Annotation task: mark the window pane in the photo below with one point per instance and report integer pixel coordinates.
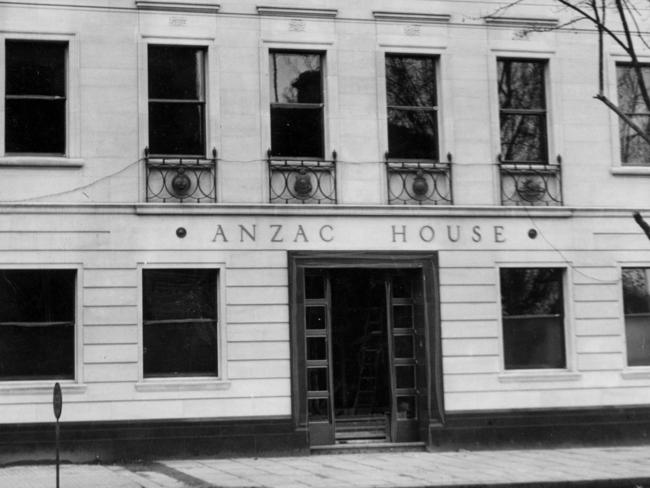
(318, 410)
(412, 134)
(402, 317)
(629, 94)
(35, 126)
(531, 291)
(35, 68)
(405, 377)
(523, 137)
(521, 84)
(533, 342)
(187, 348)
(314, 286)
(635, 150)
(637, 337)
(406, 407)
(636, 298)
(180, 330)
(402, 287)
(180, 294)
(37, 314)
(410, 81)
(176, 128)
(297, 132)
(316, 348)
(296, 78)
(315, 317)
(176, 72)
(37, 296)
(404, 346)
(317, 379)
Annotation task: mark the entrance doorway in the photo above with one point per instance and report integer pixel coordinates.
(364, 370)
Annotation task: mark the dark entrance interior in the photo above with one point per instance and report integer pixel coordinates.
(360, 355)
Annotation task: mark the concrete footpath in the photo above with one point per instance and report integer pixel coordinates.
(576, 467)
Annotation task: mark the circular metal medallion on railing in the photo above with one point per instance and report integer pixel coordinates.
(302, 186)
(420, 185)
(531, 189)
(181, 183)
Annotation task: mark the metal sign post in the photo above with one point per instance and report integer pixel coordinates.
(57, 403)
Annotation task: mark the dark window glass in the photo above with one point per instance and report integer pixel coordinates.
(176, 100)
(412, 110)
(533, 318)
(522, 111)
(37, 316)
(636, 302)
(296, 105)
(634, 150)
(35, 97)
(314, 286)
(180, 322)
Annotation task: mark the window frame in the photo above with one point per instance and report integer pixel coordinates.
(544, 112)
(184, 382)
(72, 156)
(534, 374)
(300, 105)
(624, 315)
(44, 385)
(201, 101)
(436, 60)
(618, 146)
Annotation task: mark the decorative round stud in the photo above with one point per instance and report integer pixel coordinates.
(302, 186)
(181, 183)
(420, 185)
(532, 233)
(181, 232)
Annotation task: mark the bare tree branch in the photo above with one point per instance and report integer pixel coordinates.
(623, 116)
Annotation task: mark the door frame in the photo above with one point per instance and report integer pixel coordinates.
(425, 261)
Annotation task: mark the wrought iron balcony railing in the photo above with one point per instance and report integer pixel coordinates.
(531, 184)
(181, 179)
(302, 180)
(419, 182)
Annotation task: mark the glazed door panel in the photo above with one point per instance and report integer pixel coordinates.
(318, 357)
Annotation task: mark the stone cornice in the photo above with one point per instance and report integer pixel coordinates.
(318, 13)
(191, 7)
(522, 22)
(411, 17)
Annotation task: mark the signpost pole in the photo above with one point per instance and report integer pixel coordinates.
(57, 403)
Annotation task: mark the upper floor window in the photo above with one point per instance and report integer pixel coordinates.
(180, 322)
(412, 107)
(297, 107)
(533, 318)
(634, 150)
(37, 317)
(636, 303)
(35, 97)
(176, 100)
(522, 111)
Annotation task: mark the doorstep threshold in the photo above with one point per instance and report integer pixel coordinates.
(370, 446)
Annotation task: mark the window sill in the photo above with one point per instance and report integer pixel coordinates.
(39, 387)
(40, 162)
(631, 170)
(185, 384)
(636, 373)
(538, 376)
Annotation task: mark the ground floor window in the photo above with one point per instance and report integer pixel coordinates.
(37, 318)
(636, 303)
(180, 322)
(533, 318)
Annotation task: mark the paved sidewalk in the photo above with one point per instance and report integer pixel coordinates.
(585, 467)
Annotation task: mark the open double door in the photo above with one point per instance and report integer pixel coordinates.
(363, 346)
